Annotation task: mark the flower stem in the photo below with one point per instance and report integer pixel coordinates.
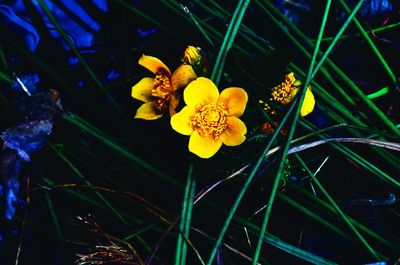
(229, 38)
(72, 118)
(371, 44)
(337, 209)
(380, 29)
(87, 182)
(186, 215)
(247, 183)
(82, 60)
(290, 135)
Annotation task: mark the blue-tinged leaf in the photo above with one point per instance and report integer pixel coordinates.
(10, 165)
(80, 26)
(24, 138)
(75, 8)
(101, 4)
(20, 26)
(293, 10)
(27, 137)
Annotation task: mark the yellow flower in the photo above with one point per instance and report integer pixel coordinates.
(191, 56)
(159, 92)
(286, 92)
(211, 119)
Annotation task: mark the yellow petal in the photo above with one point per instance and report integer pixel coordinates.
(173, 104)
(204, 147)
(182, 76)
(234, 99)
(153, 64)
(308, 103)
(201, 91)
(147, 112)
(142, 90)
(235, 132)
(180, 122)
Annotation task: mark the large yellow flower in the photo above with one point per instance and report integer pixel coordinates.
(158, 93)
(211, 119)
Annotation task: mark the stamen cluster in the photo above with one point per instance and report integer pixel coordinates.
(162, 90)
(210, 119)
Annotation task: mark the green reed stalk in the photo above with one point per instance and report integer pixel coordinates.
(3, 59)
(87, 182)
(186, 214)
(336, 38)
(279, 243)
(137, 12)
(44, 66)
(120, 149)
(212, 32)
(326, 206)
(338, 71)
(290, 136)
(86, 199)
(54, 217)
(371, 44)
(246, 185)
(376, 30)
(228, 40)
(198, 26)
(6, 77)
(379, 93)
(80, 58)
(356, 158)
(337, 209)
(272, 15)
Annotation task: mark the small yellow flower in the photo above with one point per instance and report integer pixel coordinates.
(286, 92)
(192, 56)
(210, 118)
(159, 92)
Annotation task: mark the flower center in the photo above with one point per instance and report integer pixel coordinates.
(283, 92)
(210, 119)
(162, 90)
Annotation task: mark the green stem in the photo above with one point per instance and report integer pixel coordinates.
(379, 93)
(189, 212)
(119, 149)
(371, 44)
(6, 77)
(275, 13)
(335, 40)
(54, 217)
(80, 57)
(380, 29)
(336, 69)
(326, 206)
(137, 12)
(247, 184)
(356, 158)
(184, 224)
(337, 209)
(229, 38)
(290, 136)
(87, 182)
(198, 26)
(3, 58)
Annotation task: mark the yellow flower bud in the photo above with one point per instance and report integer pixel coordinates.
(192, 56)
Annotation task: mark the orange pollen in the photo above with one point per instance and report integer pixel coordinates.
(162, 90)
(282, 92)
(210, 119)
